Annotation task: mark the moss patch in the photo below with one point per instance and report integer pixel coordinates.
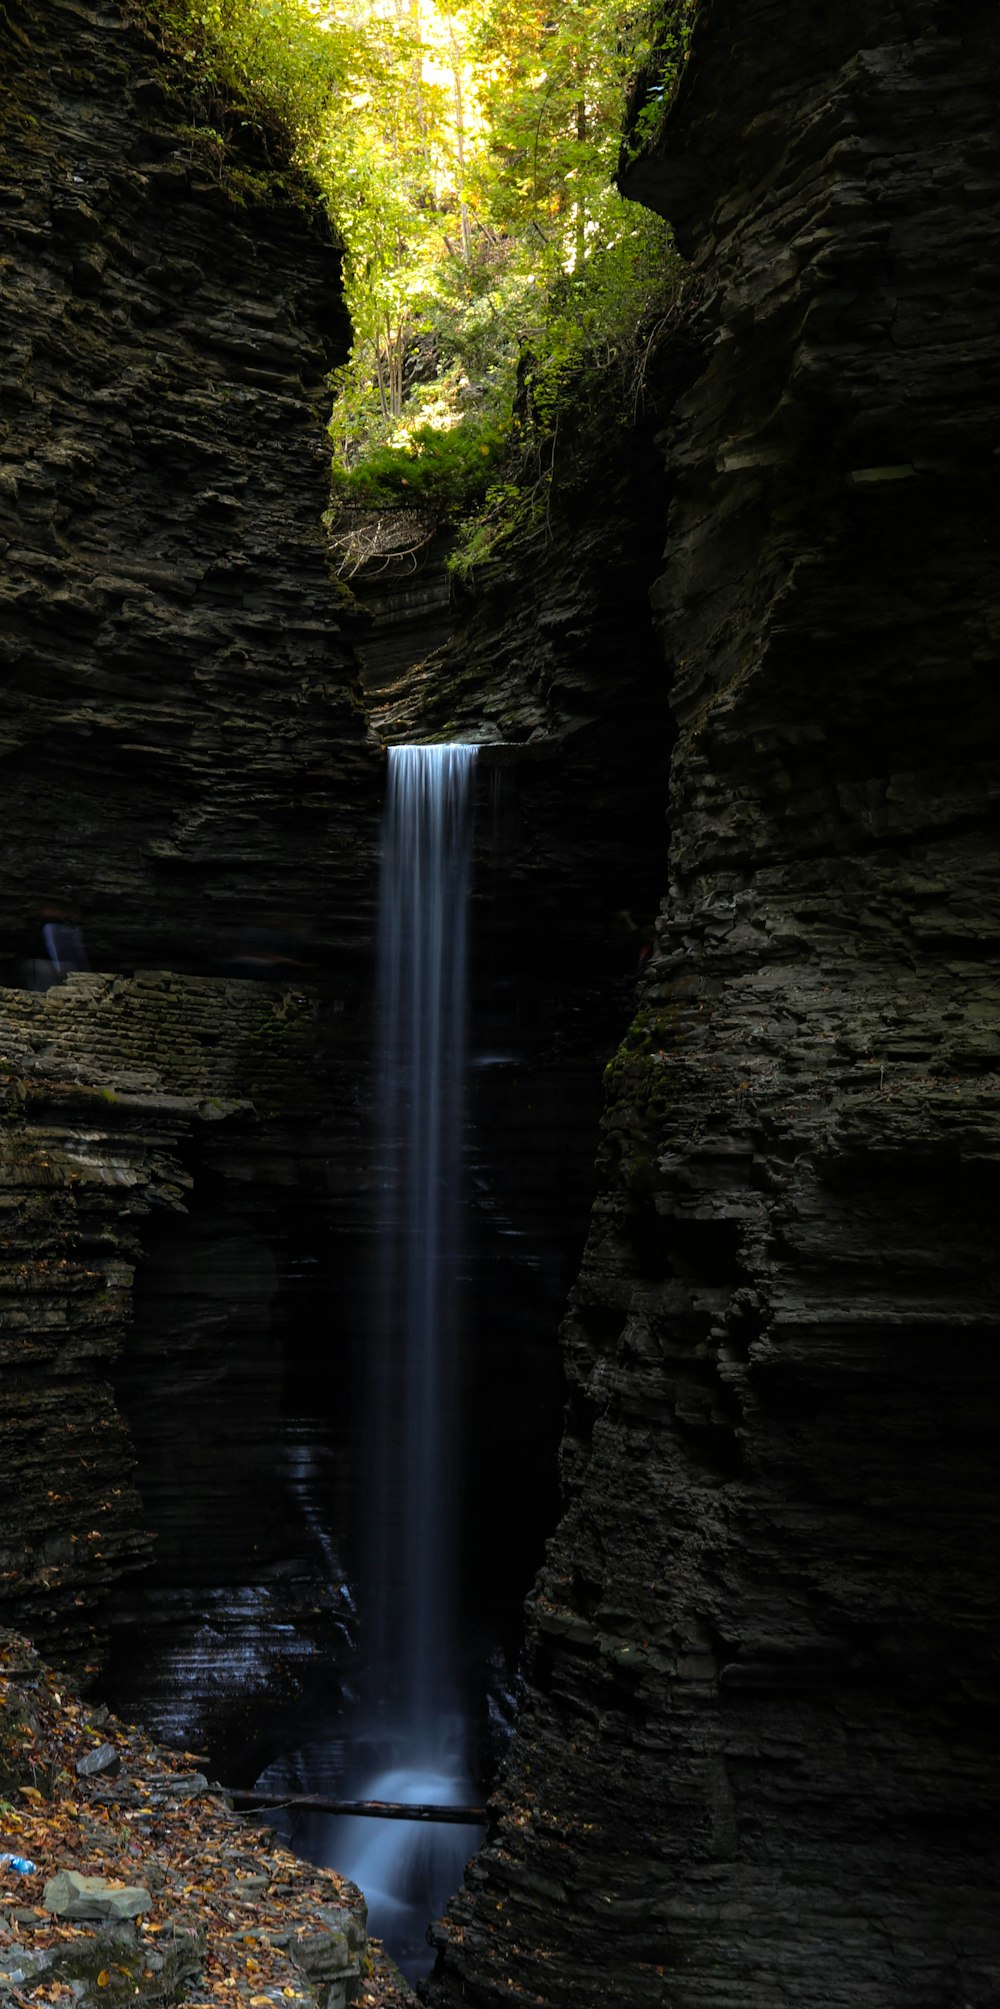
(638, 1095)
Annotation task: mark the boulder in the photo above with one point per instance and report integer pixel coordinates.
(70, 1895)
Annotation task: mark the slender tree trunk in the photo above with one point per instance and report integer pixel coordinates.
(580, 216)
(456, 78)
(380, 379)
(417, 76)
(396, 339)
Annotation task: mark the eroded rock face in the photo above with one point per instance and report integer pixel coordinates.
(754, 1761)
(191, 1196)
(163, 1139)
(756, 1758)
(183, 762)
(186, 773)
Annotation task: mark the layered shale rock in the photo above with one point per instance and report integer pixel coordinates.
(756, 1760)
(549, 661)
(184, 764)
(190, 781)
(756, 1753)
(131, 1149)
(186, 781)
(554, 668)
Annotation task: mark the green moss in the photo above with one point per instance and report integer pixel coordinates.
(649, 1037)
(219, 158)
(241, 107)
(278, 1051)
(112, 1967)
(637, 1082)
(671, 26)
(16, 1738)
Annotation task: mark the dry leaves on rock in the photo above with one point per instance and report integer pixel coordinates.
(228, 1901)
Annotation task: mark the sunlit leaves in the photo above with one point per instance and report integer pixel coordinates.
(465, 150)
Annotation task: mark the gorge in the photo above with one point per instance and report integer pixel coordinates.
(748, 682)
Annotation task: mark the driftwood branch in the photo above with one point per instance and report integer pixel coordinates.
(381, 1810)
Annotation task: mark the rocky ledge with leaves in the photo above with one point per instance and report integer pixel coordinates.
(125, 1876)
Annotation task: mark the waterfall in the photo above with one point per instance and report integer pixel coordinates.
(408, 1592)
(421, 1060)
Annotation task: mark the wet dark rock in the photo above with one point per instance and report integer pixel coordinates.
(334, 1952)
(191, 778)
(756, 1756)
(180, 739)
(113, 1966)
(104, 1759)
(20, 1965)
(123, 1100)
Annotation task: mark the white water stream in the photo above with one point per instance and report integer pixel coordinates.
(410, 1707)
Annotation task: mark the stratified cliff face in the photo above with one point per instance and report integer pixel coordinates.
(756, 1761)
(756, 1758)
(189, 1192)
(179, 743)
(185, 770)
(161, 1137)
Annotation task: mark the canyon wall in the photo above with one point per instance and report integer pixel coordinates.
(756, 1757)
(190, 779)
(184, 764)
(187, 780)
(755, 1754)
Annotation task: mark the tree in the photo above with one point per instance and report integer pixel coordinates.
(465, 150)
(552, 82)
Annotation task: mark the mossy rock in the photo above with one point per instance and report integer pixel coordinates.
(638, 1097)
(16, 1746)
(117, 1967)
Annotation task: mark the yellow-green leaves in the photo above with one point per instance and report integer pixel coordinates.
(465, 152)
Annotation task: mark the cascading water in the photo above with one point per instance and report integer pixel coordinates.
(411, 1704)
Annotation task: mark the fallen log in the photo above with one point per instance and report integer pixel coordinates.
(379, 1810)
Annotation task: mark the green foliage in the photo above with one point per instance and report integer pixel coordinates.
(465, 151)
(597, 329)
(449, 470)
(595, 317)
(553, 88)
(510, 509)
(671, 23)
(264, 70)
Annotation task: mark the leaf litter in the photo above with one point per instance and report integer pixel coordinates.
(249, 1917)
